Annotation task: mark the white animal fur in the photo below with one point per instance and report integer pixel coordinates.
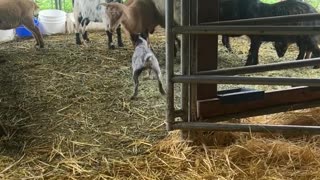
(143, 58)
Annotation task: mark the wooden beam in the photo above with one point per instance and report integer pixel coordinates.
(214, 107)
(207, 47)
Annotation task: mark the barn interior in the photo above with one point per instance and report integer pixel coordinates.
(66, 113)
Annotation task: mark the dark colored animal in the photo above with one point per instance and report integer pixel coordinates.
(306, 43)
(86, 11)
(282, 47)
(229, 10)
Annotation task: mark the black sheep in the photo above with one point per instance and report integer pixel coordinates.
(306, 43)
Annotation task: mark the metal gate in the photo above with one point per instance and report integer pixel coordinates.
(201, 107)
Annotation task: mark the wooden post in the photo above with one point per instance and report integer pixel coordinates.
(207, 47)
(203, 56)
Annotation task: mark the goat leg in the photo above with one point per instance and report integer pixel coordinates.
(136, 74)
(315, 54)
(253, 51)
(110, 41)
(157, 71)
(77, 27)
(35, 31)
(120, 42)
(78, 40)
(85, 36)
(302, 51)
(226, 42)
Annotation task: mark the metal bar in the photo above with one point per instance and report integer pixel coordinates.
(185, 61)
(294, 97)
(169, 63)
(271, 20)
(193, 61)
(263, 111)
(247, 127)
(252, 30)
(212, 79)
(263, 67)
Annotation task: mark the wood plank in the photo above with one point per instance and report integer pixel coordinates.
(207, 47)
(214, 107)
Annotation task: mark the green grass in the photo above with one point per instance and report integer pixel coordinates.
(49, 4)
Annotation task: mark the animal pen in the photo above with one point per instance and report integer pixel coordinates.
(202, 106)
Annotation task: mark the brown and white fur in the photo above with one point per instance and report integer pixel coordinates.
(139, 16)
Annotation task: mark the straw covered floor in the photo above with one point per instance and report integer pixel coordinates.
(65, 113)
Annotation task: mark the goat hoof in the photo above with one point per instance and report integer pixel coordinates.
(112, 47)
(133, 97)
(120, 44)
(250, 64)
(39, 47)
(316, 67)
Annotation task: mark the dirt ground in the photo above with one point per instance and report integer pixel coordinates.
(65, 113)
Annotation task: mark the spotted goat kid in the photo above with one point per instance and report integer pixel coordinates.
(143, 58)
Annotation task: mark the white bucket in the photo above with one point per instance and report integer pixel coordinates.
(6, 35)
(52, 21)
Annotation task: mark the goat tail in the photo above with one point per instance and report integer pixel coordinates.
(149, 57)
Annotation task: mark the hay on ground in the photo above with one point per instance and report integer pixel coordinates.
(65, 114)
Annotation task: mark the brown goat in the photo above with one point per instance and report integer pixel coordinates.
(139, 16)
(14, 13)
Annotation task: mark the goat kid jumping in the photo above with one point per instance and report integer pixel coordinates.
(143, 58)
